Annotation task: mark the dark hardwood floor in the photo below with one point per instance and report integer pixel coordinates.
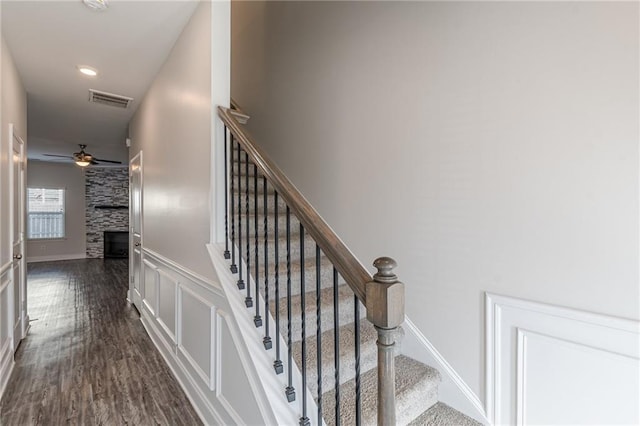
(87, 359)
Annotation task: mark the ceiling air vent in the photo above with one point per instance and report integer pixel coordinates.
(109, 99)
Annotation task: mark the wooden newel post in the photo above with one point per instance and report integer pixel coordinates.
(385, 310)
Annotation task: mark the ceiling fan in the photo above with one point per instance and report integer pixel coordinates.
(83, 159)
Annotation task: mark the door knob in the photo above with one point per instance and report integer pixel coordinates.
(137, 244)
(17, 256)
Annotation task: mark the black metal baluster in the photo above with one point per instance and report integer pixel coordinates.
(336, 343)
(248, 301)
(356, 323)
(277, 364)
(233, 267)
(290, 390)
(257, 319)
(267, 339)
(240, 280)
(318, 333)
(227, 254)
(304, 420)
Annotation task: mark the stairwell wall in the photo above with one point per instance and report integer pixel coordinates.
(488, 147)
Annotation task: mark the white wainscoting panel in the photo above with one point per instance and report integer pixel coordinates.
(197, 319)
(167, 299)
(231, 385)
(553, 365)
(6, 337)
(150, 293)
(186, 317)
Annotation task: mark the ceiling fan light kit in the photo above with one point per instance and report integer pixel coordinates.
(84, 159)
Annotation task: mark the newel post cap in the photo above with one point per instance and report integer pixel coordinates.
(385, 295)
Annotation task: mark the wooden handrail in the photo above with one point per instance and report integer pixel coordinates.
(351, 270)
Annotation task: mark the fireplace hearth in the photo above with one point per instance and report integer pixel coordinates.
(116, 244)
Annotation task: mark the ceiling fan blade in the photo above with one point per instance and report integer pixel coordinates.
(94, 162)
(107, 161)
(62, 156)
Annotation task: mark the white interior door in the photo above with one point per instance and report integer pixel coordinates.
(19, 282)
(136, 291)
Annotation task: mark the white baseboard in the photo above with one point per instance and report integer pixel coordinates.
(453, 390)
(56, 257)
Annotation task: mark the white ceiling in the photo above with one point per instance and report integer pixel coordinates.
(127, 44)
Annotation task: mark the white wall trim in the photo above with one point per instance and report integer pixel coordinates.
(6, 365)
(161, 323)
(208, 379)
(454, 390)
(151, 305)
(56, 257)
(204, 282)
(219, 389)
(6, 267)
(511, 323)
(220, 95)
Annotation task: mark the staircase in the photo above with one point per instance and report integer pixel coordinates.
(319, 314)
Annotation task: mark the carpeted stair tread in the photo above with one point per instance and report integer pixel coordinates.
(309, 253)
(294, 226)
(345, 311)
(326, 278)
(416, 389)
(252, 206)
(443, 415)
(243, 170)
(368, 354)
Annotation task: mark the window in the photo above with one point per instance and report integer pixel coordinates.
(45, 213)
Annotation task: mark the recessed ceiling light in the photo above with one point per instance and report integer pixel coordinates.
(87, 70)
(96, 4)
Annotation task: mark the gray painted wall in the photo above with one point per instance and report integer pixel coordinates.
(487, 146)
(70, 177)
(173, 129)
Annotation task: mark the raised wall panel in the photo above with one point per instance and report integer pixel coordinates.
(167, 299)
(150, 286)
(6, 347)
(196, 317)
(5, 305)
(232, 378)
(581, 397)
(200, 340)
(553, 365)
